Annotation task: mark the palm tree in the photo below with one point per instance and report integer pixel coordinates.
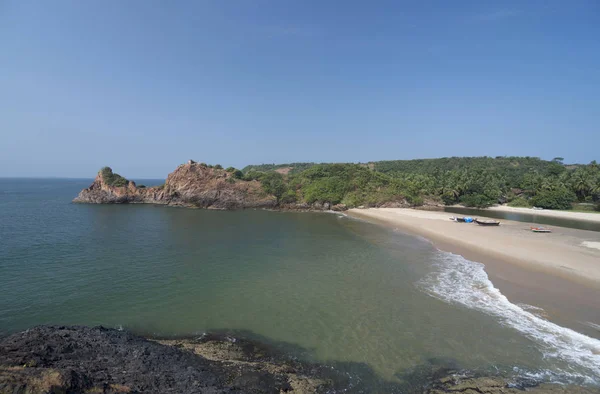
(581, 183)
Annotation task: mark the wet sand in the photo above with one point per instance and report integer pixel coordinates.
(585, 216)
(554, 271)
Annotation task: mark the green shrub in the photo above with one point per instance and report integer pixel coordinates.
(560, 198)
(218, 167)
(112, 179)
(352, 199)
(230, 169)
(520, 202)
(330, 189)
(414, 200)
(476, 201)
(237, 174)
(272, 183)
(289, 196)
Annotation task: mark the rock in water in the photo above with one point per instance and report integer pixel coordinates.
(191, 185)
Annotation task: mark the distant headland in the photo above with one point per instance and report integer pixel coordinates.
(470, 181)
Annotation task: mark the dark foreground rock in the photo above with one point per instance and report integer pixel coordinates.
(100, 360)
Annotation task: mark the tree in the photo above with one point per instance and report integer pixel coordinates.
(582, 183)
(559, 198)
(272, 183)
(238, 174)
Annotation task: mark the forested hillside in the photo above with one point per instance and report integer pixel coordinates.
(472, 181)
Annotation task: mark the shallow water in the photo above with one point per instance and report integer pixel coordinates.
(334, 289)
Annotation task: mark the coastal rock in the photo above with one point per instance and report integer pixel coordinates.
(191, 185)
(498, 385)
(83, 359)
(77, 359)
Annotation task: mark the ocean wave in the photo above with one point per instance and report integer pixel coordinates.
(460, 281)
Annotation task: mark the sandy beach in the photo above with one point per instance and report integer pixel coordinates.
(558, 272)
(585, 216)
(564, 252)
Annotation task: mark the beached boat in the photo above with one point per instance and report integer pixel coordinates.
(462, 220)
(540, 230)
(487, 222)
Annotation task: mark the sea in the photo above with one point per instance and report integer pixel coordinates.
(322, 287)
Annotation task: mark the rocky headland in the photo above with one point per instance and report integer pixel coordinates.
(194, 185)
(77, 359)
(191, 185)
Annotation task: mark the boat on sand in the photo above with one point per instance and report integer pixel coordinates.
(466, 219)
(487, 222)
(540, 230)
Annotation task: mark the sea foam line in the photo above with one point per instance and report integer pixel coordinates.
(465, 282)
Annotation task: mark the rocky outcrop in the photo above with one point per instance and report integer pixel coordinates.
(99, 360)
(191, 185)
(497, 385)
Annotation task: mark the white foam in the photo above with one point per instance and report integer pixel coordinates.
(592, 325)
(465, 282)
(591, 245)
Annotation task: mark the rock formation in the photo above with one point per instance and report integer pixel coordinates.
(99, 360)
(191, 185)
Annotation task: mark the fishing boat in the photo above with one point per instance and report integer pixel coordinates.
(540, 230)
(462, 220)
(487, 222)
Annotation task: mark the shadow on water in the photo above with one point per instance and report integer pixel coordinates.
(345, 376)
(527, 218)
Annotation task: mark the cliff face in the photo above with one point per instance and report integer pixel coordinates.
(192, 185)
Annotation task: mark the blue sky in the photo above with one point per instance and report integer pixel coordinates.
(143, 86)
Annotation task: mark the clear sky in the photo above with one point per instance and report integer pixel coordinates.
(143, 86)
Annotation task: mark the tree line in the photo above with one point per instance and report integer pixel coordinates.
(471, 181)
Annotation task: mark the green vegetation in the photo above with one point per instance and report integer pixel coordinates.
(112, 179)
(586, 208)
(471, 181)
(296, 167)
(237, 174)
(520, 202)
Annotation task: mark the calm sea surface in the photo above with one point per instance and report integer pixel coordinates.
(324, 286)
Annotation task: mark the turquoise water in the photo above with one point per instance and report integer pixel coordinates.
(334, 289)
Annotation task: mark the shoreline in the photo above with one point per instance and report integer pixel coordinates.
(548, 213)
(566, 287)
(561, 253)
